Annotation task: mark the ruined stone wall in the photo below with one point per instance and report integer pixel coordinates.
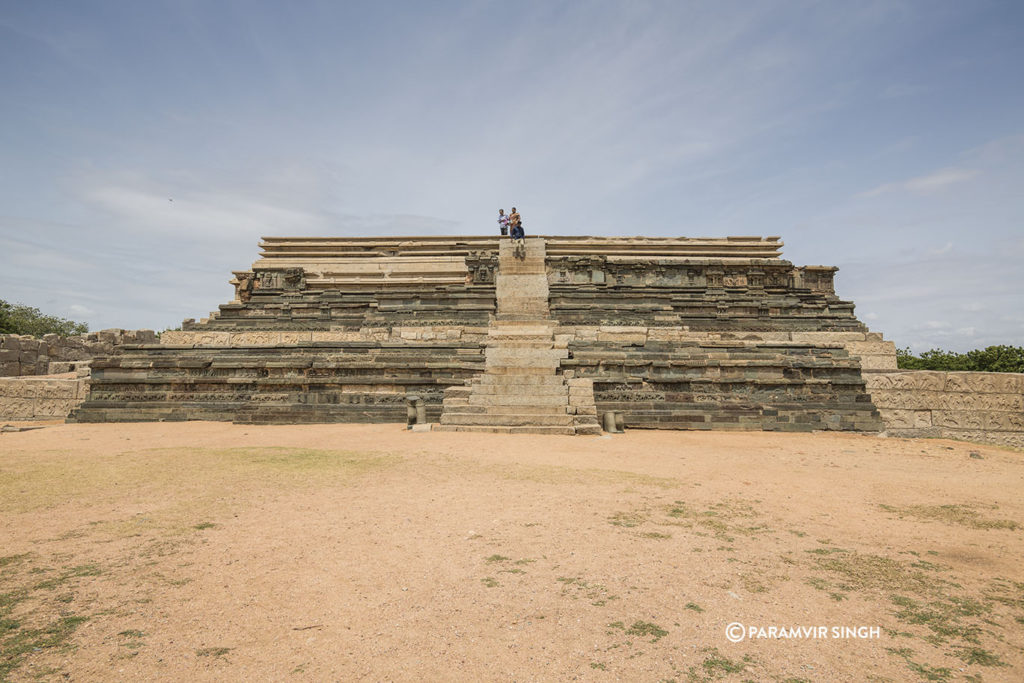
(41, 398)
(22, 355)
(987, 407)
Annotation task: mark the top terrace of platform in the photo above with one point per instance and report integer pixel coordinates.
(326, 248)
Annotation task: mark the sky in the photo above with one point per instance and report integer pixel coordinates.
(145, 147)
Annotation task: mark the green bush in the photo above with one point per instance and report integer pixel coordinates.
(21, 319)
(991, 359)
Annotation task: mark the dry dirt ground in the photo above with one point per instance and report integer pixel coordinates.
(207, 551)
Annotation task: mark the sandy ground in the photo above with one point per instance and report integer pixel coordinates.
(208, 551)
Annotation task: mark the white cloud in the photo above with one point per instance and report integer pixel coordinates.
(926, 184)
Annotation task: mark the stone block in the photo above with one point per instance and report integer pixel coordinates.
(1004, 421)
(294, 338)
(827, 337)
(254, 338)
(622, 338)
(906, 419)
(958, 419)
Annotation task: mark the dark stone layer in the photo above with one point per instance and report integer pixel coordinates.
(752, 386)
(321, 382)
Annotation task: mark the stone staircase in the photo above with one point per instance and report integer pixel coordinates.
(522, 389)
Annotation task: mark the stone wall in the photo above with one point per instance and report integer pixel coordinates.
(22, 355)
(41, 398)
(987, 407)
(873, 351)
(322, 381)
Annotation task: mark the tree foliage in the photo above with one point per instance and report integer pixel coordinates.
(21, 319)
(991, 359)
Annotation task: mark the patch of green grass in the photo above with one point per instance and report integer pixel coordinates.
(694, 607)
(655, 535)
(599, 666)
(926, 672)
(717, 665)
(752, 584)
(928, 566)
(864, 571)
(644, 629)
(490, 582)
(962, 515)
(943, 617)
(85, 570)
(213, 651)
(65, 576)
(18, 640)
(825, 551)
(721, 518)
(617, 624)
(131, 633)
(497, 558)
(525, 560)
(976, 655)
(13, 559)
(204, 525)
(576, 586)
(1006, 592)
(627, 519)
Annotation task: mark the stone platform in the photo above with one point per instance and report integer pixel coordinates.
(682, 333)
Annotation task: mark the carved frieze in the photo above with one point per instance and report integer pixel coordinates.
(482, 265)
(284, 279)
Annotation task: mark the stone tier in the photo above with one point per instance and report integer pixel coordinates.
(727, 385)
(288, 383)
(276, 251)
(700, 294)
(351, 310)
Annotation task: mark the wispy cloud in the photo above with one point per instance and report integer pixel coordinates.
(926, 184)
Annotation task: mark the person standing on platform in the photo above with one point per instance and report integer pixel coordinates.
(502, 222)
(518, 235)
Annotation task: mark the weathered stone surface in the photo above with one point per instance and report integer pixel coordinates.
(37, 398)
(976, 406)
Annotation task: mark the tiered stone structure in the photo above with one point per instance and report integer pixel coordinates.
(674, 332)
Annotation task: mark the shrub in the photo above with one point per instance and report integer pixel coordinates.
(991, 359)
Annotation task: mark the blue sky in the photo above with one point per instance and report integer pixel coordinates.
(886, 138)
